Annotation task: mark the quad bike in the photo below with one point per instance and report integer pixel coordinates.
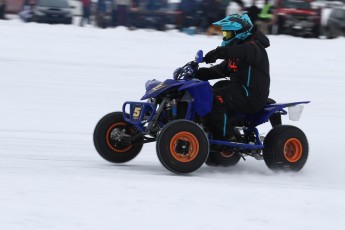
(173, 116)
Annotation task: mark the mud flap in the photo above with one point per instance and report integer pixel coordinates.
(275, 119)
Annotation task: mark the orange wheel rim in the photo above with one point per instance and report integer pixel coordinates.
(227, 154)
(193, 149)
(108, 138)
(293, 150)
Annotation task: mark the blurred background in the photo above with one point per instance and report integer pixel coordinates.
(302, 18)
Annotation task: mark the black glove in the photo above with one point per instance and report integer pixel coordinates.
(211, 56)
(202, 74)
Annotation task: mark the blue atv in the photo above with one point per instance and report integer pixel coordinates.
(174, 116)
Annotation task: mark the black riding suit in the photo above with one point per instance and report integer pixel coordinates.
(247, 91)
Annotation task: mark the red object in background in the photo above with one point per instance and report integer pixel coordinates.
(15, 6)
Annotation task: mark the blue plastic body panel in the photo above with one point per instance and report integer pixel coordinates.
(264, 115)
(201, 92)
(154, 88)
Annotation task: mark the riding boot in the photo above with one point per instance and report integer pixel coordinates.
(221, 126)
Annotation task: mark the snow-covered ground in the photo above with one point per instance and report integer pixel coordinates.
(57, 81)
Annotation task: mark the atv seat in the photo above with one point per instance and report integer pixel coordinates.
(242, 119)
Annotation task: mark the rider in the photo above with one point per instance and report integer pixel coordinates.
(246, 63)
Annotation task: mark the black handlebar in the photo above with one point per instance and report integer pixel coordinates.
(186, 72)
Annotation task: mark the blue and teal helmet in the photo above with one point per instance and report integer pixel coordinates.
(239, 26)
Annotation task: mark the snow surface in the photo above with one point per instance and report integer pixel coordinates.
(57, 81)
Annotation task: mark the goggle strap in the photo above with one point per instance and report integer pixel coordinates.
(244, 29)
(245, 26)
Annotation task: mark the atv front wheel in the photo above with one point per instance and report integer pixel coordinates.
(112, 139)
(286, 148)
(182, 146)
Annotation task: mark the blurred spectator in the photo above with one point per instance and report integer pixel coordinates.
(235, 7)
(27, 13)
(149, 14)
(264, 20)
(86, 10)
(113, 13)
(225, 3)
(154, 5)
(100, 15)
(123, 12)
(253, 12)
(188, 10)
(156, 18)
(2, 9)
(135, 4)
(266, 12)
(104, 13)
(200, 16)
(213, 10)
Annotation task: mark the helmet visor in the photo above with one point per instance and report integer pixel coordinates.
(228, 34)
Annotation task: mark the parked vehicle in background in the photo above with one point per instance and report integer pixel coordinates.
(53, 11)
(296, 17)
(335, 26)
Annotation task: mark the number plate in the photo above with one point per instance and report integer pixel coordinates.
(137, 112)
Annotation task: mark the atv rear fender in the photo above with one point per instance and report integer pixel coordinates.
(273, 112)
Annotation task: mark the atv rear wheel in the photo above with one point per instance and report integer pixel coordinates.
(182, 146)
(111, 139)
(286, 148)
(223, 158)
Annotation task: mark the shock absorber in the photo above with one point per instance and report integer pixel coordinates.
(173, 105)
